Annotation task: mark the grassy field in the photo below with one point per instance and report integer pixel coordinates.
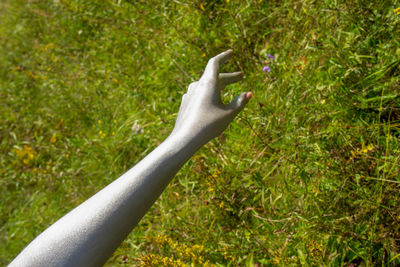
(308, 174)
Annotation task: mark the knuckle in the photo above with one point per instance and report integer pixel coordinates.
(212, 60)
(192, 84)
(191, 87)
(206, 82)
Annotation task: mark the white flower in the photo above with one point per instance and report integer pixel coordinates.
(136, 128)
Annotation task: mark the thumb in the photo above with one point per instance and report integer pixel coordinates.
(239, 102)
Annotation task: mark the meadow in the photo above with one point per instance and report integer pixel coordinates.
(307, 174)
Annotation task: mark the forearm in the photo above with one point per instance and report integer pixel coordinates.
(90, 233)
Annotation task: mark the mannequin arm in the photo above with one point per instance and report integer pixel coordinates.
(89, 234)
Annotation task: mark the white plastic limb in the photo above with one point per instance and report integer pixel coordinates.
(89, 234)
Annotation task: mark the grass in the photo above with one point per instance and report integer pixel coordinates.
(308, 174)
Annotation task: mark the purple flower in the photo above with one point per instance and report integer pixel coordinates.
(266, 69)
(270, 56)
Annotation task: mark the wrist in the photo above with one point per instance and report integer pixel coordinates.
(186, 140)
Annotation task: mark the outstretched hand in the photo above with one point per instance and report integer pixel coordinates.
(91, 232)
(202, 113)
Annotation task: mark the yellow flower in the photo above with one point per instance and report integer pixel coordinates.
(99, 121)
(26, 154)
(49, 46)
(365, 150)
(216, 173)
(210, 186)
(53, 138)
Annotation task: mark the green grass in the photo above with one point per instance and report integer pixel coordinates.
(309, 172)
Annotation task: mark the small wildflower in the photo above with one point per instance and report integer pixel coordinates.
(270, 56)
(53, 138)
(136, 128)
(49, 46)
(216, 173)
(115, 121)
(210, 186)
(26, 154)
(361, 151)
(99, 121)
(266, 69)
(102, 134)
(365, 150)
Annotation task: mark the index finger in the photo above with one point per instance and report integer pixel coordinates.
(212, 68)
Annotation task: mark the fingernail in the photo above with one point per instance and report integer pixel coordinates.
(249, 95)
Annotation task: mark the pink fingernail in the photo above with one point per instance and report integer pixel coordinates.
(249, 95)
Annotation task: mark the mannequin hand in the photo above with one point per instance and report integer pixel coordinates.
(202, 115)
